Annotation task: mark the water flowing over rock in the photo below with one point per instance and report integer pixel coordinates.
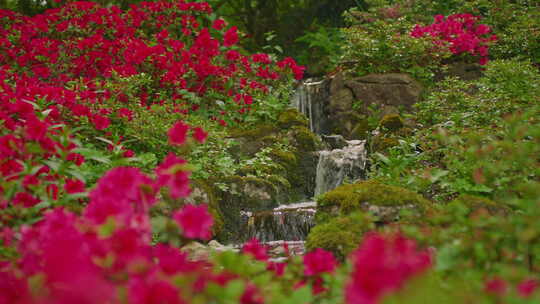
(338, 165)
(310, 99)
(284, 223)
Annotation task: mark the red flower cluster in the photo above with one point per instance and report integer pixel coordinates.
(319, 261)
(382, 265)
(107, 248)
(195, 221)
(499, 287)
(460, 33)
(68, 67)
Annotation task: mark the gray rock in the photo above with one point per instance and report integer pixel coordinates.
(386, 90)
(334, 141)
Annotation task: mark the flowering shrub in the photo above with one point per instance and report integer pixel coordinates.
(382, 265)
(97, 70)
(460, 33)
(386, 46)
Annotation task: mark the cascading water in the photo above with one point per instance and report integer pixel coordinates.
(286, 222)
(338, 165)
(309, 99)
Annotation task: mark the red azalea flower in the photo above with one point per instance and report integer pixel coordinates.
(527, 287)
(36, 129)
(199, 134)
(124, 112)
(178, 133)
(251, 295)
(219, 24)
(74, 186)
(101, 122)
(171, 174)
(128, 153)
(496, 286)
(25, 199)
(231, 36)
(277, 268)
(319, 261)
(255, 249)
(76, 158)
(383, 264)
(196, 222)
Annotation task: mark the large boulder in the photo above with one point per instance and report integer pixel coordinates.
(244, 195)
(384, 202)
(340, 235)
(462, 70)
(353, 100)
(398, 90)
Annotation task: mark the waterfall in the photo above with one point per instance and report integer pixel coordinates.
(287, 222)
(310, 98)
(338, 165)
(345, 161)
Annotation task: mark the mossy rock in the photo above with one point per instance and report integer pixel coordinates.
(381, 143)
(292, 117)
(360, 130)
(391, 122)
(287, 158)
(244, 193)
(304, 139)
(254, 132)
(340, 235)
(253, 139)
(384, 201)
(477, 204)
(350, 125)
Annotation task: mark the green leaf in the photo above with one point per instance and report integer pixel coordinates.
(299, 296)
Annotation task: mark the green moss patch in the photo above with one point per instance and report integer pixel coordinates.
(340, 235)
(349, 198)
(291, 117)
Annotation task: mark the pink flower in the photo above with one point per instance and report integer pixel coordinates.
(152, 290)
(171, 173)
(382, 265)
(36, 129)
(248, 99)
(251, 295)
(218, 24)
(231, 36)
(527, 287)
(277, 267)
(121, 192)
(6, 236)
(101, 122)
(76, 158)
(319, 261)
(496, 286)
(25, 199)
(128, 153)
(171, 260)
(255, 249)
(124, 112)
(74, 186)
(178, 133)
(199, 134)
(196, 222)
